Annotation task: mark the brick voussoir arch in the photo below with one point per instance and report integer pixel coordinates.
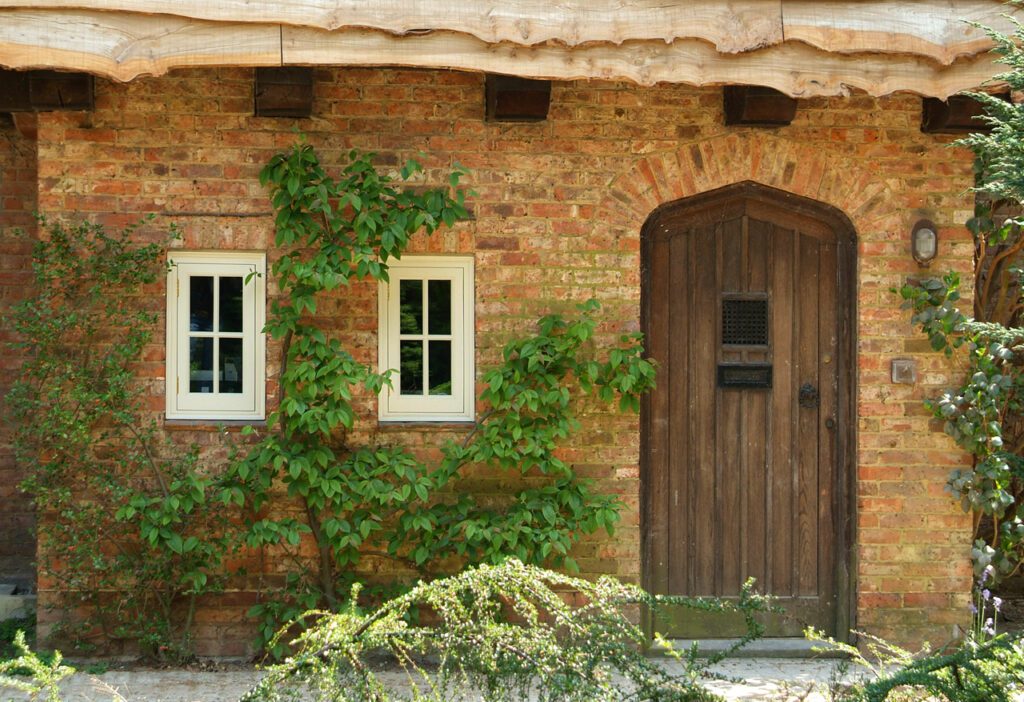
(839, 180)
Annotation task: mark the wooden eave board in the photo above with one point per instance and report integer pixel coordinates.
(942, 31)
(796, 69)
(735, 25)
(123, 46)
(935, 29)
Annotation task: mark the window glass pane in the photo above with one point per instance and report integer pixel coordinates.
(200, 364)
(230, 365)
(231, 304)
(200, 303)
(440, 367)
(411, 368)
(410, 297)
(439, 305)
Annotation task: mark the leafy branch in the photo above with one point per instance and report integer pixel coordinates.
(358, 501)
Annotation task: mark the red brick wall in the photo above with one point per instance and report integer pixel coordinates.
(558, 212)
(18, 184)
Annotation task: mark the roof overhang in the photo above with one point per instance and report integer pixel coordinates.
(800, 47)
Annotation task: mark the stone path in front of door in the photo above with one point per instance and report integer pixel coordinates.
(777, 679)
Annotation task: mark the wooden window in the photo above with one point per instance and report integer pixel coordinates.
(426, 338)
(216, 359)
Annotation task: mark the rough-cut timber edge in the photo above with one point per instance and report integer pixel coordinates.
(124, 46)
(937, 30)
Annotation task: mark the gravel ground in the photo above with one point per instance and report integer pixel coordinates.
(776, 679)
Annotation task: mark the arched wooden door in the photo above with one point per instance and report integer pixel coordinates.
(747, 309)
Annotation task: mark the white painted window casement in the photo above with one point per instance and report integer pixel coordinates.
(216, 352)
(426, 337)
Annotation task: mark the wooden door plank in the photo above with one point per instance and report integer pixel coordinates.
(730, 519)
(756, 428)
(658, 417)
(784, 320)
(704, 342)
(678, 300)
(828, 363)
(805, 475)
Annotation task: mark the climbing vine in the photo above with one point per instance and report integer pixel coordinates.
(357, 500)
(123, 516)
(984, 415)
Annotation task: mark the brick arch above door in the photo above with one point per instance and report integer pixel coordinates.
(841, 180)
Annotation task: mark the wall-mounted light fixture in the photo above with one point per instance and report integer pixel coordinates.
(924, 242)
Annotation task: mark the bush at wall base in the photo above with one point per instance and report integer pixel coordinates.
(497, 633)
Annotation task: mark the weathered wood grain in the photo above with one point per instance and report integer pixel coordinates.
(936, 29)
(750, 470)
(125, 46)
(796, 69)
(939, 29)
(731, 25)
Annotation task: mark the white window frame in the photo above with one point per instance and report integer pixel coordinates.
(460, 406)
(250, 404)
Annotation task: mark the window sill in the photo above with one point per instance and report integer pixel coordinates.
(424, 426)
(211, 425)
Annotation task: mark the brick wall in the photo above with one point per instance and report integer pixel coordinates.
(558, 212)
(18, 185)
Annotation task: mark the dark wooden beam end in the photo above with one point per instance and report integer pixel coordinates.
(514, 99)
(44, 91)
(757, 106)
(957, 115)
(284, 92)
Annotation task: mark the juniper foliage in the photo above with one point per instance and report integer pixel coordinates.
(498, 634)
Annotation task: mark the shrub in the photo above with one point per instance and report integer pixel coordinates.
(986, 666)
(32, 675)
(505, 632)
(992, 671)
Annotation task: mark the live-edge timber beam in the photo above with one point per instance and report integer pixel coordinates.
(124, 45)
(939, 30)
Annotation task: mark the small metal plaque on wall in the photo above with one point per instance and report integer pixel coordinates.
(751, 375)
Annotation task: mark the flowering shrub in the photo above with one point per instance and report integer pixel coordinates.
(986, 667)
(985, 609)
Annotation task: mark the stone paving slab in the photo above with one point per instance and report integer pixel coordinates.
(776, 679)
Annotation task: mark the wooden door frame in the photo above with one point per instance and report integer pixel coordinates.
(718, 205)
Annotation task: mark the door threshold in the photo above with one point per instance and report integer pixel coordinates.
(761, 648)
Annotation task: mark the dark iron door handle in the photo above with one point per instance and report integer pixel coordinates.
(808, 397)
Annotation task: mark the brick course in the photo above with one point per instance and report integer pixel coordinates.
(557, 218)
